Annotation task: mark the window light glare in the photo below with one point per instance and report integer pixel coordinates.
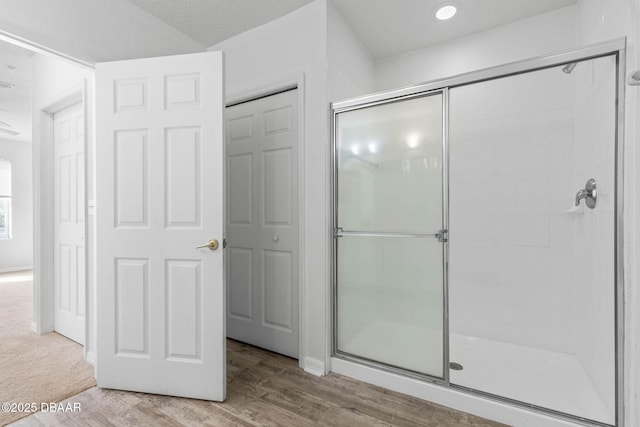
(355, 149)
(446, 12)
(373, 148)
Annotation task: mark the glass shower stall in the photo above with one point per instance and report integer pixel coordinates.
(477, 233)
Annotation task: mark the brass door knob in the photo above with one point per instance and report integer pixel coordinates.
(211, 244)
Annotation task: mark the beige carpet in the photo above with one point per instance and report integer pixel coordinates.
(34, 368)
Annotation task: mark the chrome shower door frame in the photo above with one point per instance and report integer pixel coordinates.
(615, 48)
(337, 232)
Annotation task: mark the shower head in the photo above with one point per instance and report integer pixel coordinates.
(567, 69)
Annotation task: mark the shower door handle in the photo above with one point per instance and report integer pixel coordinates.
(441, 235)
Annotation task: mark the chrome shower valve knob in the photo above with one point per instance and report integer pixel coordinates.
(589, 193)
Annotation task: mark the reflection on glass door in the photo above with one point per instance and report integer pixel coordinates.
(389, 253)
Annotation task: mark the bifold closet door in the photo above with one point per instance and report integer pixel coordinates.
(262, 222)
(389, 238)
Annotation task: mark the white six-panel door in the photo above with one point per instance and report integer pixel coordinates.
(160, 180)
(69, 226)
(262, 222)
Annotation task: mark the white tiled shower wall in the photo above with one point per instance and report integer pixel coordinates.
(511, 241)
(522, 269)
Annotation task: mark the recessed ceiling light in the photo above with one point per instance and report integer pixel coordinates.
(446, 12)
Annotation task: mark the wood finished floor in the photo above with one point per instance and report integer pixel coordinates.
(263, 389)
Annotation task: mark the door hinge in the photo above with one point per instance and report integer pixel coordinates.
(224, 243)
(442, 235)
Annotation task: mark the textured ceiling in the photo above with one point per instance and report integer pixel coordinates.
(15, 102)
(211, 21)
(389, 28)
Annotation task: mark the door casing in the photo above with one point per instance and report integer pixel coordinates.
(43, 295)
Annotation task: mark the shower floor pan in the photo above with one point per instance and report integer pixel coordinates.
(543, 378)
(540, 377)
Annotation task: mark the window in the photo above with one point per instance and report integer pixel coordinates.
(5, 199)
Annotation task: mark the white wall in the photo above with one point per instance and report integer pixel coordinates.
(17, 253)
(542, 34)
(53, 79)
(293, 48)
(351, 66)
(93, 30)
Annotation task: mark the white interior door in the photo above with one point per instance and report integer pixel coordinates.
(160, 172)
(68, 235)
(262, 222)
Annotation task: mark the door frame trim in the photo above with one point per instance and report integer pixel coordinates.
(38, 48)
(43, 245)
(261, 90)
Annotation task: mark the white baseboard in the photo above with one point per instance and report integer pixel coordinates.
(90, 358)
(14, 269)
(314, 366)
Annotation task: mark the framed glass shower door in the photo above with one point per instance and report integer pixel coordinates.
(389, 234)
